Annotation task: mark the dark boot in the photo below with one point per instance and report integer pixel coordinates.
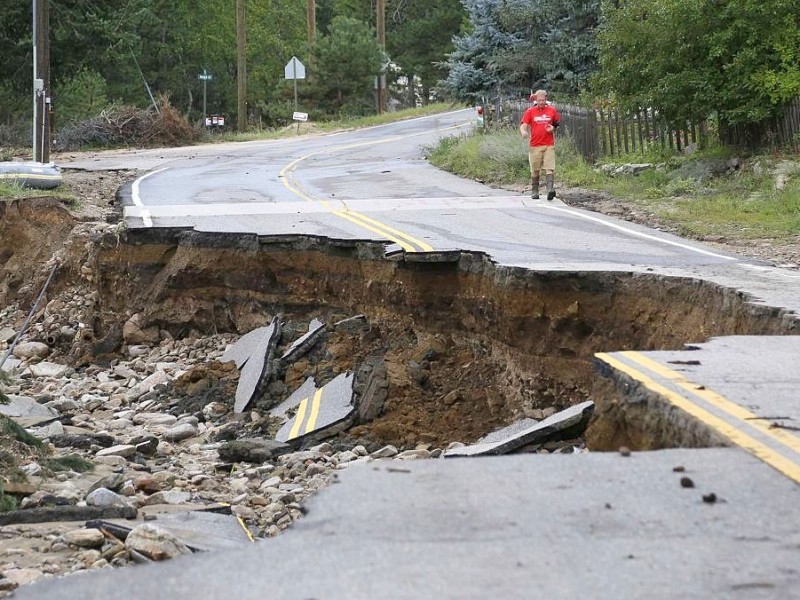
(535, 187)
(551, 193)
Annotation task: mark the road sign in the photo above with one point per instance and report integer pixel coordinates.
(300, 116)
(205, 76)
(294, 69)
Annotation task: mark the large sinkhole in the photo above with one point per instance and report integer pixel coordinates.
(460, 345)
(457, 345)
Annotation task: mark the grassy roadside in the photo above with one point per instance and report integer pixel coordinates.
(693, 194)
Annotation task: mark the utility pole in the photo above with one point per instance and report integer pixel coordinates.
(311, 19)
(241, 66)
(380, 25)
(42, 103)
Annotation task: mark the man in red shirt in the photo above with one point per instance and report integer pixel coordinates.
(540, 121)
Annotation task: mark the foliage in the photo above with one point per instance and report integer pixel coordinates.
(516, 46)
(691, 58)
(81, 96)
(349, 57)
(559, 49)
(5, 379)
(6, 502)
(499, 157)
(472, 72)
(69, 462)
(10, 428)
(419, 34)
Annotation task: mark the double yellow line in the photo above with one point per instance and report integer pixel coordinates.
(299, 418)
(402, 239)
(773, 448)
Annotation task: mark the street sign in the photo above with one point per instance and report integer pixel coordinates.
(205, 76)
(294, 69)
(300, 116)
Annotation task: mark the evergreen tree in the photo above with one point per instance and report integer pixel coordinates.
(346, 61)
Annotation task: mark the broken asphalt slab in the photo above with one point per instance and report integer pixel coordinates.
(312, 411)
(199, 530)
(568, 423)
(304, 342)
(253, 354)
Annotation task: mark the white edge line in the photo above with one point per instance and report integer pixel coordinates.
(137, 200)
(638, 233)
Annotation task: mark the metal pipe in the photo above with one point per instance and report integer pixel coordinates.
(29, 317)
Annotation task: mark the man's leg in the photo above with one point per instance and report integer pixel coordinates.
(535, 159)
(549, 160)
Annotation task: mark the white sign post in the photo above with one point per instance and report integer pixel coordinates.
(295, 70)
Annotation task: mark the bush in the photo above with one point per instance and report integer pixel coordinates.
(120, 126)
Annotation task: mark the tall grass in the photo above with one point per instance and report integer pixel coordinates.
(743, 205)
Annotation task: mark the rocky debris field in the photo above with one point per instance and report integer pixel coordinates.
(157, 434)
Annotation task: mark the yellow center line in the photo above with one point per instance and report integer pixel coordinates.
(715, 399)
(298, 419)
(741, 439)
(404, 240)
(399, 234)
(246, 529)
(312, 418)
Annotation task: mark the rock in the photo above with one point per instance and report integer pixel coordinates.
(85, 538)
(413, 455)
(180, 432)
(48, 369)
(104, 497)
(7, 334)
(54, 429)
(23, 406)
(154, 418)
(19, 577)
(146, 444)
(134, 333)
(168, 497)
(123, 450)
(141, 388)
(253, 450)
(385, 452)
(28, 350)
(154, 542)
(111, 482)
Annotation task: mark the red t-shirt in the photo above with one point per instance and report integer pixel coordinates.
(537, 118)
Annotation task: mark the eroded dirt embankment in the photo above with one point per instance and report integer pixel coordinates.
(466, 345)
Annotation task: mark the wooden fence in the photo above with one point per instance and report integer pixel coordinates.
(779, 132)
(606, 132)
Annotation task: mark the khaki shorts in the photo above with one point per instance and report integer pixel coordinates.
(542, 156)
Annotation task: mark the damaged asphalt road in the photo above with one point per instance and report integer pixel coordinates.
(558, 308)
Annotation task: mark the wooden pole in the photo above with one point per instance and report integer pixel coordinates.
(241, 66)
(311, 20)
(380, 25)
(42, 114)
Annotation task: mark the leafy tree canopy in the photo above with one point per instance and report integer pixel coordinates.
(691, 58)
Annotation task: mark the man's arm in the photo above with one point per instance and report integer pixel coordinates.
(524, 129)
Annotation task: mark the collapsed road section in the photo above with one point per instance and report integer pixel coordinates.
(448, 345)
(231, 375)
